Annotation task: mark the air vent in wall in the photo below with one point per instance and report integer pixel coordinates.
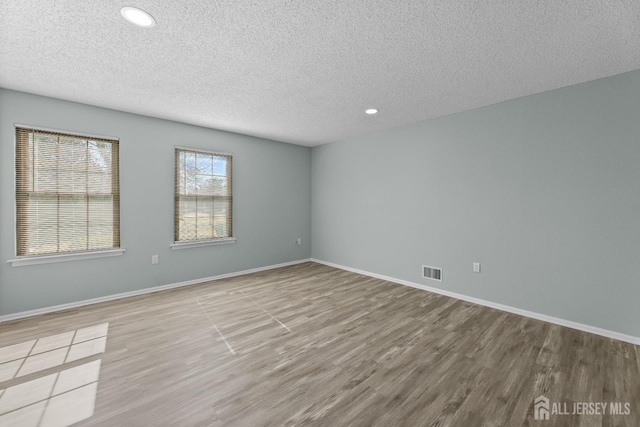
(432, 273)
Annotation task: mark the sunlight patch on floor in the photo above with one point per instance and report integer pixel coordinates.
(59, 399)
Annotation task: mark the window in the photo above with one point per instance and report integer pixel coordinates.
(203, 198)
(67, 193)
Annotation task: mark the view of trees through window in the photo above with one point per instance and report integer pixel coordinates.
(203, 195)
(67, 193)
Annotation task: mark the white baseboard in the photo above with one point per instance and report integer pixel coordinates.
(76, 304)
(562, 322)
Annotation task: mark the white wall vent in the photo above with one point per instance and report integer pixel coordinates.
(433, 273)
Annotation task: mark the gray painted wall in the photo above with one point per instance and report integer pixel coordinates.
(544, 191)
(272, 203)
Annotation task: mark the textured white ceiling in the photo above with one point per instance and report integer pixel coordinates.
(304, 71)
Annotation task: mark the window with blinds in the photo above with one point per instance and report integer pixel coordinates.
(67, 193)
(203, 196)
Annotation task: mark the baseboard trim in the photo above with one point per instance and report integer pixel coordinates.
(555, 320)
(52, 309)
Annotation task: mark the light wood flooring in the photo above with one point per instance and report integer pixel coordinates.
(311, 345)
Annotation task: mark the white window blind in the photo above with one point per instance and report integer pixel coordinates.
(203, 196)
(67, 193)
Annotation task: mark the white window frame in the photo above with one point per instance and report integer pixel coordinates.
(186, 244)
(26, 260)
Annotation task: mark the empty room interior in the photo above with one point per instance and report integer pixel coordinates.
(301, 213)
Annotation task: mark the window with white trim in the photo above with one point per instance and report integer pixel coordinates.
(203, 197)
(67, 193)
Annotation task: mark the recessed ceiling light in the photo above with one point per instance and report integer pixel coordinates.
(371, 111)
(138, 17)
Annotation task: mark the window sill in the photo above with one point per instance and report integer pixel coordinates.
(48, 259)
(201, 243)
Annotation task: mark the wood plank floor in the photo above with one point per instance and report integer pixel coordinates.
(314, 345)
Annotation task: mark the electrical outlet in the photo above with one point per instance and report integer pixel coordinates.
(154, 259)
(299, 241)
(476, 267)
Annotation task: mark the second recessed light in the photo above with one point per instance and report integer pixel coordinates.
(138, 17)
(371, 111)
